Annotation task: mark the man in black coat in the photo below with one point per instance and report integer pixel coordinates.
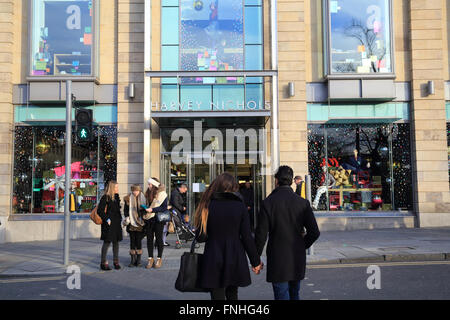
(282, 217)
(177, 200)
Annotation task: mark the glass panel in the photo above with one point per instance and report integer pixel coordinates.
(39, 170)
(402, 172)
(169, 97)
(253, 25)
(169, 31)
(360, 36)
(169, 58)
(198, 96)
(357, 167)
(254, 96)
(228, 97)
(253, 2)
(253, 57)
(169, 3)
(211, 36)
(62, 36)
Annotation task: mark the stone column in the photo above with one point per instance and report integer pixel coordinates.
(6, 108)
(291, 66)
(428, 116)
(130, 48)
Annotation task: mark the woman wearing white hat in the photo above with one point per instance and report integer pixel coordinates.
(156, 198)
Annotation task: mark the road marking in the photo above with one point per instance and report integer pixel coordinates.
(310, 284)
(24, 280)
(317, 291)
(381, 264)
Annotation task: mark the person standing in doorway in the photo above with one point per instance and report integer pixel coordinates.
(283, 217)
(135, 223)
(300, 188)
(109, 211)
(222, 221)
(249, 199)
(156, 199)
(178, 202)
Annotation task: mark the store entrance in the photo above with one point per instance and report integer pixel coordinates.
(198, 169)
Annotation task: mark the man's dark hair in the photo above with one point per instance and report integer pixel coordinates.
(284, 175)
(183, 185)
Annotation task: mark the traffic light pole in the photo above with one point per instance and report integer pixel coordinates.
(68, 181)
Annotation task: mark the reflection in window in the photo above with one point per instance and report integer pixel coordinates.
(357, 167)
(62, 38)
(360, 36)
(39, 168)
(211, 35)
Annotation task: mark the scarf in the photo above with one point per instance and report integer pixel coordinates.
(135, 219)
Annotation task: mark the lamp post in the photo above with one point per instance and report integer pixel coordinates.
(68, 170)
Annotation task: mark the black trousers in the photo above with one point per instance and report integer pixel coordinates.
(136, 240)
(105, 248)
(155, 229)
(229, 293)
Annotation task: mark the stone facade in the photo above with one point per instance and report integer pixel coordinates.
(428, 21)
(7, 16)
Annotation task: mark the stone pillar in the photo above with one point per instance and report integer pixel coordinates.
(130, 151)
(6, 108)
(428, 116)
(291, 66)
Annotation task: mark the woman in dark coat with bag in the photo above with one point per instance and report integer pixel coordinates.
(222, 220)
(109, 210)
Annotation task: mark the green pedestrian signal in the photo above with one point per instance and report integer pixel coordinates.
(84, 127)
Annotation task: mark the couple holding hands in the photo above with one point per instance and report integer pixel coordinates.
(223, 223)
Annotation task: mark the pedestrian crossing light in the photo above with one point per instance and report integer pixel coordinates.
(84, 119)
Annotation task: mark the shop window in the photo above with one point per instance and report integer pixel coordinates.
(360, 167)
(62, 38)
(359, 37)
(39, 168)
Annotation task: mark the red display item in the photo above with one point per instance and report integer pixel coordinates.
(50, 209)
(48, 195)
(85, 174)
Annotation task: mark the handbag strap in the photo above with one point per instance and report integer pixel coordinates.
(194, 242)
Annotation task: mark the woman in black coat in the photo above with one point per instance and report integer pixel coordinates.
(109, 210)
(222, 220)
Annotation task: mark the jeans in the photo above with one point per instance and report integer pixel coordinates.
(155, 229)
(286, 290)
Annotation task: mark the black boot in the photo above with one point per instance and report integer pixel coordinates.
(133, 260)
(138, 261)
(117, 265)
(105, 266)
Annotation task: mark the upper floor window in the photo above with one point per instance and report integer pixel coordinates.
(359, 37)
(62, 37)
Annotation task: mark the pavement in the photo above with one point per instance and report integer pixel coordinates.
(45, 258)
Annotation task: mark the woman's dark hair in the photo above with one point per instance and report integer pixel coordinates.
(223, 183)
(284, 175)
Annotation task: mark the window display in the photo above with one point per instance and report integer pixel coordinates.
(39, 170)
(360, 39)
(62, 37)
(356, 167)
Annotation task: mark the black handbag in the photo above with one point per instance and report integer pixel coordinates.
(164, 217)
(189, 274)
